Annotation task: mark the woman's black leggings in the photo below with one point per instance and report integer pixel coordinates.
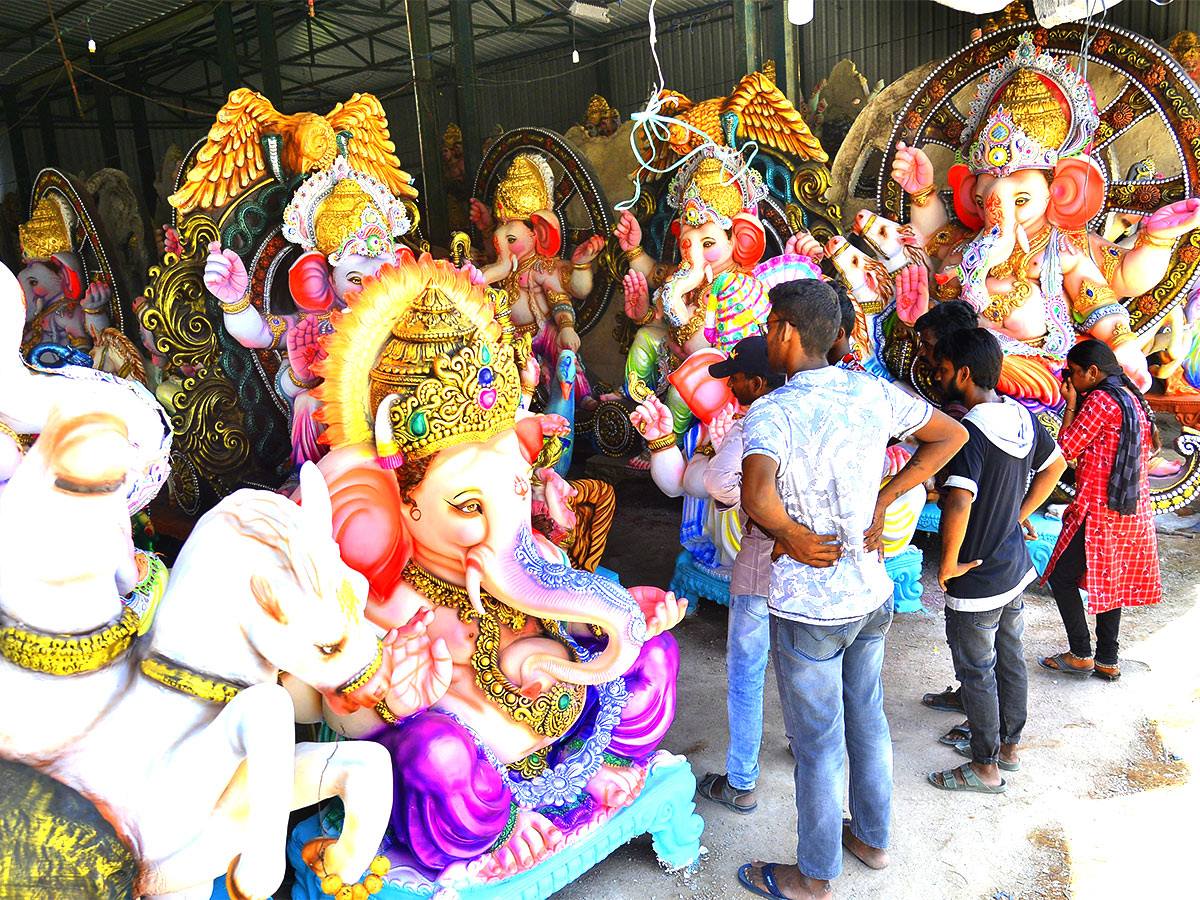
(1064, 584)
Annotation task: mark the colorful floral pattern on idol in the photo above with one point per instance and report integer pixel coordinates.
(740, 305)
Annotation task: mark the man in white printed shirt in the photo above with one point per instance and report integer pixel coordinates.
(749, 639)
(812, 463)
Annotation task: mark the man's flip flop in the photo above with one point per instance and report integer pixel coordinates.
(969, 781)
(768, 873)
(956, 735)
(947, 701)
(1058, 663)
(964, 749)
(717, 788)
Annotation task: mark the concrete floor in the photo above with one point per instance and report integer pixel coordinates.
(1101, 808)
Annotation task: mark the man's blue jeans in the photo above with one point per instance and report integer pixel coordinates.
(989, 662)
(746, 649)
(833, 709)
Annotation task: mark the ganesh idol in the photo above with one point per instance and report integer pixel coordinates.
(346, 223)
(526, 696)
(712, 298)
(526, 236)
(1025, 186)
(61, 309)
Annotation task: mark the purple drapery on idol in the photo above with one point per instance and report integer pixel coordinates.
(450, 804)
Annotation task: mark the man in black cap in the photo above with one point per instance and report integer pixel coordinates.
(748, 638)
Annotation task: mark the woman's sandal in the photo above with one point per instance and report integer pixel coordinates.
(1061, 662)
(963, 778)
(717, 788)
(1108, 673)
(964, 749)
(957, 735)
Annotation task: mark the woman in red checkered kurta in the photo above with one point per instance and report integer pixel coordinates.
(1113, 557)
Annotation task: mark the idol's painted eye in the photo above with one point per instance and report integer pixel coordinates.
(709, 243)
(469, 507)
(331, 649)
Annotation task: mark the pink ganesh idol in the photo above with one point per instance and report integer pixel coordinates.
(527, 698)
(346, 222)
(1027, 183)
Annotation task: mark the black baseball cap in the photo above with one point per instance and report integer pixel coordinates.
(748, 356)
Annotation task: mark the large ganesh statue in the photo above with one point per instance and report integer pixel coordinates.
(526, 236)
(346, 224)
(527, 698)
(75, 304)
(277, 218)
(1029, 187)
(712, 298)
(1035, 164)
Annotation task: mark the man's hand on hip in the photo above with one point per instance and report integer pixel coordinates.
(806, 546)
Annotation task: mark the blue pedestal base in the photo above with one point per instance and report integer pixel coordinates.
(665, 810)
(905, 571)
(1048, 531)
(697, 582)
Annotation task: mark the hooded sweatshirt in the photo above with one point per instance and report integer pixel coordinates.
(1005, 446)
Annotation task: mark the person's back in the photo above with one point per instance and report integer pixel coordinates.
(811, 466)
(833, 428)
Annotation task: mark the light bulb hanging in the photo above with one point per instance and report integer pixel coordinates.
(91, 40)
(574, 55)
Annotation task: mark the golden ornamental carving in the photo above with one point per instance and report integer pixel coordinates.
(207, 420)
(525, 189)
(47, 232)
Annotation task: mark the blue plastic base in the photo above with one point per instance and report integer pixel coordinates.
(665, 810)
(1048, 531)
(905, 571)
(697, 582)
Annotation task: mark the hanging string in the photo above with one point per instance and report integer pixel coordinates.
(656, 129)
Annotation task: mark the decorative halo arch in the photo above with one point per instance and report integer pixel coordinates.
(578, 180)
(1154, 85)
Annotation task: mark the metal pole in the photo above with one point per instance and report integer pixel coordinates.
(104, 117)
(746, 34)
(464, 59)
(16, 141)
(49, 140)
(437, 225)
(141, 139)
(268, 53)
(227, 55)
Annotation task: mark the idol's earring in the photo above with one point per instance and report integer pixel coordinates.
(415, 513)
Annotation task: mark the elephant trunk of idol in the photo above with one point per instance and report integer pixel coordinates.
(673, 294)
(993, 245)
(523, 579)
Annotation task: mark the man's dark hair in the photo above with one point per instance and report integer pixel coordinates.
(846, 305)
(946, 317)
(975, 348)
(811, 307)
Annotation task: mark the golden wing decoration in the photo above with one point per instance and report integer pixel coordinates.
(232, 158)
(767, 116)
(371, 150)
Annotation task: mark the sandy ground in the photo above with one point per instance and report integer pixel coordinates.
(1103, 807)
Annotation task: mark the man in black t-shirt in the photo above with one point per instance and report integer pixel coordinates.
(985, 564)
